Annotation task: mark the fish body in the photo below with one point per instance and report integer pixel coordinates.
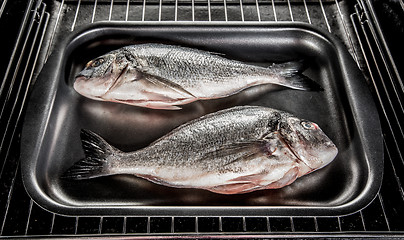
(164, 76)
(237, 150)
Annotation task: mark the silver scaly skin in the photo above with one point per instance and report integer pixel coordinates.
(232, 151)
(164, 76)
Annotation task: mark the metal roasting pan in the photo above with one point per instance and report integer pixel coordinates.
(344, 110)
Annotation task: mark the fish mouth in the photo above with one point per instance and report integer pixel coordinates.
(86, 73)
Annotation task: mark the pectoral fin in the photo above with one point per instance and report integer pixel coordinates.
(234, 188)
(252, 178)
(164, 85)
(146, 90)
(240, 150)
(289, 177)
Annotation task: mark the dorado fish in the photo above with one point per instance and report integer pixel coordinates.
(237, 150)
(163, 76)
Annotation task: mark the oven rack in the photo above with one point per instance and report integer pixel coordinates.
(42, 23)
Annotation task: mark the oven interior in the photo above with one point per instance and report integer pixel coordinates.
(370, 30)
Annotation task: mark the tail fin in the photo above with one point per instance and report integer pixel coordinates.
(94, 164)
(292, 72)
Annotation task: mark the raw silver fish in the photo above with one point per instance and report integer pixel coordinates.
(164, 76)
(237, 150)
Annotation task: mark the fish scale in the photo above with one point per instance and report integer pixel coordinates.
(235, 150)
(164, 76)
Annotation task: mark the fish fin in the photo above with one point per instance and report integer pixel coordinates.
(234, 188)
(163, 106)
(252, 178)
(299, 81)
(95, 163)
(165, 83)
(217, 53)
(150, 104)
(250, 149)
(289, 177)
(291, 67)
(292, 72)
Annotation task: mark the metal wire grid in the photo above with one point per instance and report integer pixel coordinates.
(388, 90)
(14, 90)
(168, 10)
(23, 217)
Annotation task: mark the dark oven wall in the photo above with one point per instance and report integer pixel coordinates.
(370, 31)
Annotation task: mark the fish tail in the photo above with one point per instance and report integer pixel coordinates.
(95, 163)
(293, 76)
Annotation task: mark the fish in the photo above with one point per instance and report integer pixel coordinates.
(161, 76)
(232, 151)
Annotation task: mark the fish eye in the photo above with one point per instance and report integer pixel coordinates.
(97, 62)
(308, 125)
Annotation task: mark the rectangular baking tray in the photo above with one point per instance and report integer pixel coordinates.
(344, 110)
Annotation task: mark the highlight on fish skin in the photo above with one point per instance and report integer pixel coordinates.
(162, 76)
(233, 151)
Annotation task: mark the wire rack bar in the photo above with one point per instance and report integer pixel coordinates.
(94, 9)
(52, 223)
(268, 224)
(30, 56)
(274, 11)
(76, 225)
(258, 10)
(8, 86)
(26, 78)
(290, 11)
(316, 224)
(384, 211)
(57, 25)
(193, 10)
(110, 10)
(127, 10)
(376, 31)
(401, 189)
(209, 12)
(29, 216)
(325, 15)
(14, 55)
(220, 224)
(176, 11)
(124, 225)
(363, 222)
(386, 65)
(76, 15)
(225, 10)
(292, 225)
(392, 131)
(8, 202)
(160, 9)
(3, 5)
(339, 224)
(307, 12)
(100, 225)
(241, 10)
(144, 10)
(346, 31)
(197, 224)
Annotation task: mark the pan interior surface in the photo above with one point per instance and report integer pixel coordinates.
(347, 184)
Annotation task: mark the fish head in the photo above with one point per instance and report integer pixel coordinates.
(308, 143)
(99, 75)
